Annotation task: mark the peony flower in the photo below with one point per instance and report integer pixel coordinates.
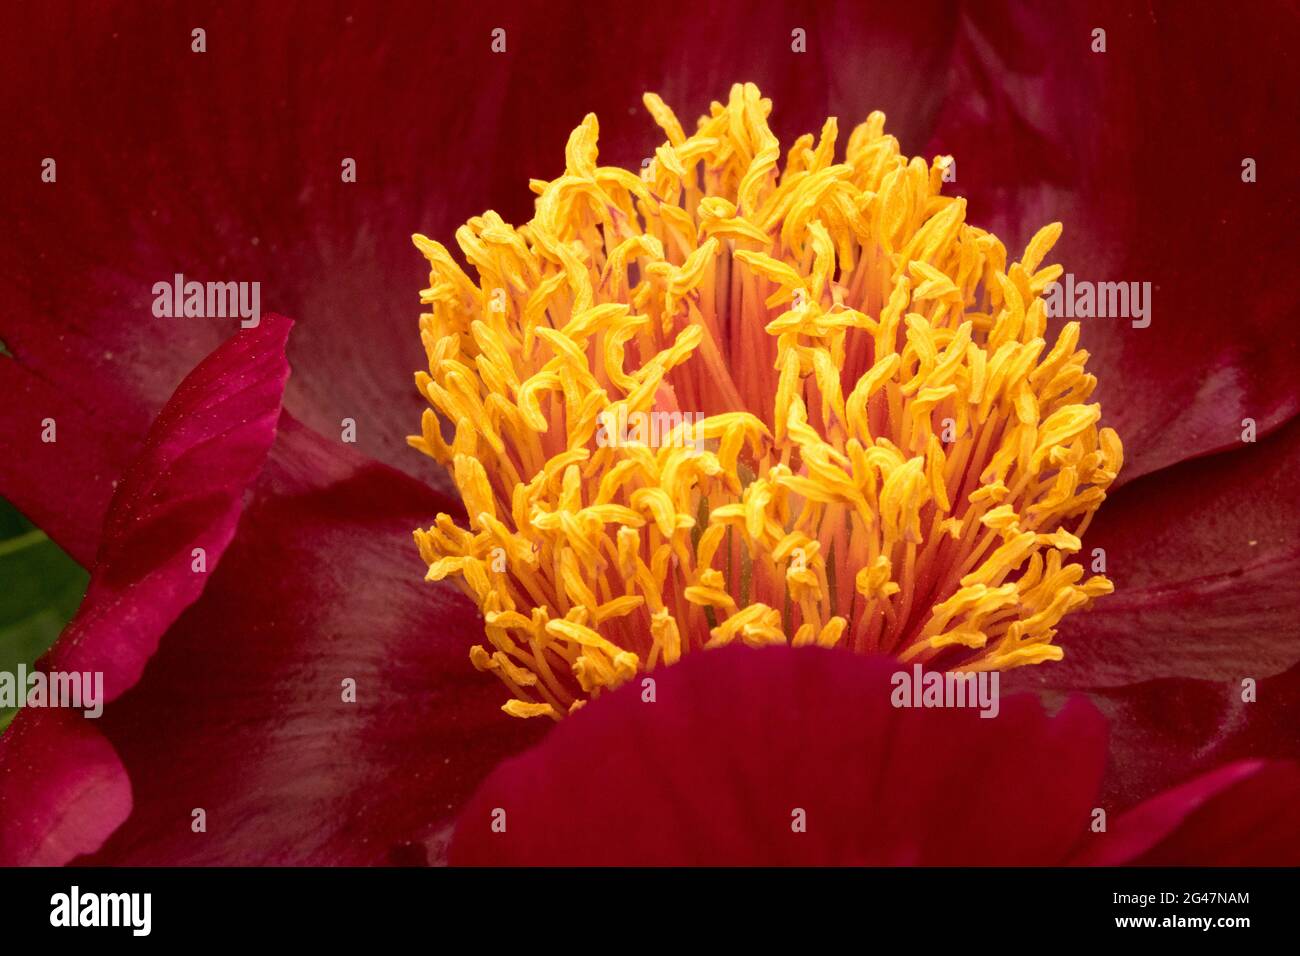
(844, 778)
(225, 165)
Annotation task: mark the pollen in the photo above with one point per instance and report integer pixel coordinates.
(729, 399)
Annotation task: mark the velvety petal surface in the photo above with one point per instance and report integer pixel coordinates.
(1139, 151)
(1163, 731)
(245, 712)
(63, 486)
(178, 506)
(227, 165)
(1244, 814)
(738, 743)
(1204, 559)
(62, 788)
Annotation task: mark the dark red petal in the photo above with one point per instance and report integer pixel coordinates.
(1139, 152)
(1162, 731)
(62, 788)
(241, 712)
(183, 493)
(737, 741)
(1244, 814)
(1203, 558)
(226, 165)
(63, 486)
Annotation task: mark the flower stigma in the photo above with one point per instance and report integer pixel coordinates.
(732, 400)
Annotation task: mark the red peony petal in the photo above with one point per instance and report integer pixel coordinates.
(182, 494)
(1139, 152)
(737, 741)
(62, 788)
(1244, 814)
(241, 711)
(1162, 731)
(1203, 558)
(226, 165)
(63, 486)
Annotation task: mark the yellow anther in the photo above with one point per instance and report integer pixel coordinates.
(722, 401)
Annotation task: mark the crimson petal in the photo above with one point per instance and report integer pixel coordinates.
(1161, 731)
(62, 789)
(242, 711)
(1203, 557)
(738, 741)
(178, 505)
(1243, 814)
(1139, 151)
(186, 163)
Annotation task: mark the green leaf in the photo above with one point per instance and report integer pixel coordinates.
(40, 589)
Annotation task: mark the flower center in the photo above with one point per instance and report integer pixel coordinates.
(722, 401)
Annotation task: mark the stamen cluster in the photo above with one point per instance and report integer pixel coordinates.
(874, 447)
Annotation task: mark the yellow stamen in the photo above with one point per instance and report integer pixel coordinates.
(862, 440)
